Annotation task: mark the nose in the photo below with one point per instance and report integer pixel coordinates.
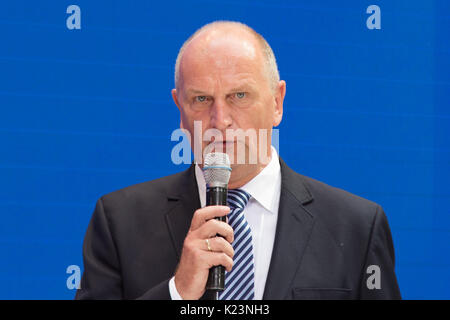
(220, 115)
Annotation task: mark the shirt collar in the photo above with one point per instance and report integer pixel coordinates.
(264, 188)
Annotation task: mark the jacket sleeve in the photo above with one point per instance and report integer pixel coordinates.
(102, 277)
(378, 280)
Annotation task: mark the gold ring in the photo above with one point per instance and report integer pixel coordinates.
(207, 243)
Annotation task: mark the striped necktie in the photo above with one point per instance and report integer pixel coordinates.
(240, 281)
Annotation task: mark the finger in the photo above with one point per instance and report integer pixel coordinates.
(219, 244)
(219, 259)
(213, 227)
(207, 213)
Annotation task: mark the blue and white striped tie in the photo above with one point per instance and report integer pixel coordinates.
(240, 281)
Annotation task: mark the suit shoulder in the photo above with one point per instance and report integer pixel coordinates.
(339, 201)
(146, 191)
(321, 189)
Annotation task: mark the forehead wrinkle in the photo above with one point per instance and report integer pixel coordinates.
(225, 74)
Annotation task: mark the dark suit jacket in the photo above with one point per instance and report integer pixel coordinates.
(325, 240)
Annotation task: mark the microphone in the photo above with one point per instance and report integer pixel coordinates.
(217, 171)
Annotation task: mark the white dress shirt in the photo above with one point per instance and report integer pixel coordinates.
(261, 213)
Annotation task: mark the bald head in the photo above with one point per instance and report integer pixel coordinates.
(234, 37)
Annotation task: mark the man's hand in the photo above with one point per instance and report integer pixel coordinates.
(196, 258)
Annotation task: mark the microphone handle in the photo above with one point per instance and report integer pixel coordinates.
(216, 278)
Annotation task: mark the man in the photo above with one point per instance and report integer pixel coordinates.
(303, 239)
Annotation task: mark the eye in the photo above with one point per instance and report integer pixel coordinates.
(200, 98)
(240, 95)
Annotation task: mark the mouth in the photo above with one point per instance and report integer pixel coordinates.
(221, 146)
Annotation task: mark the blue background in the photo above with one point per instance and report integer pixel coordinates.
(86, 112)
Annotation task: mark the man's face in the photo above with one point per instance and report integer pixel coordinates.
(224, 84)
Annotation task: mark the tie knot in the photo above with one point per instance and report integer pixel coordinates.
(237, 198)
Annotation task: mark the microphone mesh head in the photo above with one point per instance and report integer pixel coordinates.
(216, 169)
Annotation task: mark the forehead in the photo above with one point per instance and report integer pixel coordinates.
(221, 56)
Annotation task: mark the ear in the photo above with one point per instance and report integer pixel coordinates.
(280, 92)
(175, 99)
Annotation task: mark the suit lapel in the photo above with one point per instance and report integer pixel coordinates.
(293, 229)
(183, 199)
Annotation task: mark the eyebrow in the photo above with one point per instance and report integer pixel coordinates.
(241, 88)
(195, 91)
